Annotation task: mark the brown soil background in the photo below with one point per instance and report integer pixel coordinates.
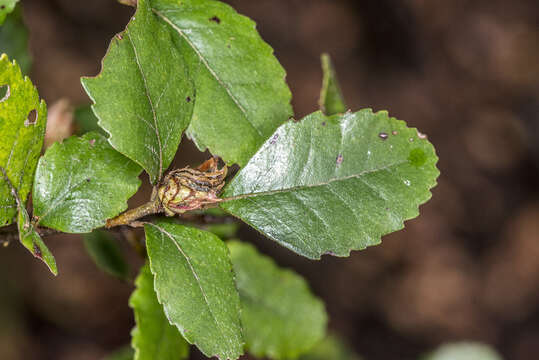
(464, 72)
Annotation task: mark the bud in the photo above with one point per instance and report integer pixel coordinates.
(190, 189)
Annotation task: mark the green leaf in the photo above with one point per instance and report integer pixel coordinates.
(241, 93)
(6, 6)
(331, 101)
(87, 121)
(153, 336)
(195, 284)
(328, 185)
(125, 353)
(31, 240)
(281, 317)
(82, 182)
(106, 254)
(143, 96)
(330, 348)
(23, 119)
(14, 40)
(464, 351)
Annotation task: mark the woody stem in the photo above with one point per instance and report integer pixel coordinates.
(128, 217)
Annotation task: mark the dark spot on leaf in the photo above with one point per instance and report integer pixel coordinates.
(417, 157)
(274, 139)
(3, 7)
(32, 118)
(215, 19)
(383, 135)
(88, 180)
(37, 251)
(228, 46)
(4, 93)
(394, 132)
(92, 142)
(323, 123)
(188, 99)
(339, 159)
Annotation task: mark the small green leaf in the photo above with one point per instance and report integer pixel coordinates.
(332, 348)
(195, 284)
(14, 40)
(281, 317)
(106, 254)
(81, 183)
(125, 353)
(153, 337)
(23, 119)
(143, 95)
(31, 240)
(331, 101)
(328, 185)
(464, 351)
(6, 6)
(242, 96)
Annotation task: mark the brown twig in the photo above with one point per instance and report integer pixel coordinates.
(129, 217)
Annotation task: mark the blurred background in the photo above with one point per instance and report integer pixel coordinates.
(464, 72)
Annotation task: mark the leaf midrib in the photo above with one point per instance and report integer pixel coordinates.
(154, 115)
(302, 187)
(211, 70)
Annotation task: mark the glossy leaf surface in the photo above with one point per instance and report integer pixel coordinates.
(153, 337)
(328, 185)
(143, 94)
(241, 93)
(105, 252)
(82, 182)
(331, 100)
(281, 317)
(23, 118)
(195, 284)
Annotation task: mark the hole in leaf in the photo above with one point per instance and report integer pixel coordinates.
(339, 160)
(32, 118)
(37, 251)
(4, 93)
(215, 19)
